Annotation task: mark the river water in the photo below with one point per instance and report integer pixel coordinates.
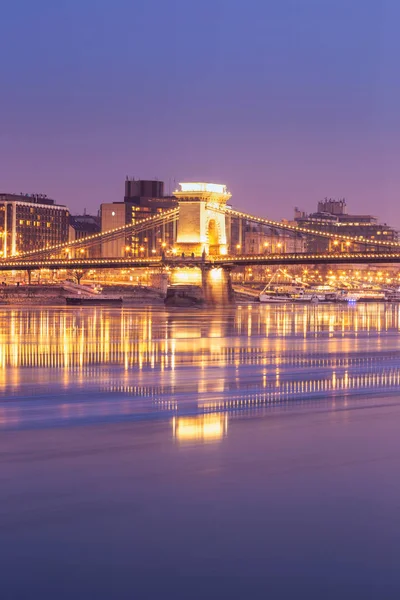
(253, 448)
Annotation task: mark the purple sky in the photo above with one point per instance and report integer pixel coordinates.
(285, 101)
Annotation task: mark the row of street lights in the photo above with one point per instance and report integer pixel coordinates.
(266, 245)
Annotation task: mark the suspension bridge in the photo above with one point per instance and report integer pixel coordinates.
(207, 234)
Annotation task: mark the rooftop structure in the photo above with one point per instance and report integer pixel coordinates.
(143, 188)
(201, 191)
(31, 198)
(333, 207)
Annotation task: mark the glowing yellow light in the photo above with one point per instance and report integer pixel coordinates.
(197, 186)
(216, 274)
(203, 427)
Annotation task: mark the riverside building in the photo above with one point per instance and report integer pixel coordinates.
(143, 198)
(332, 217)
(80, 227)
(30, 222)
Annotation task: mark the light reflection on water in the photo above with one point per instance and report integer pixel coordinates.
(59, 365)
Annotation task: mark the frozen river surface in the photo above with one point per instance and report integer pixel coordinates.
(258, 446)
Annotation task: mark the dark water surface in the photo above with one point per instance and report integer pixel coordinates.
(226, 453)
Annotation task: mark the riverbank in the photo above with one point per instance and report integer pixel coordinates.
(50, 295)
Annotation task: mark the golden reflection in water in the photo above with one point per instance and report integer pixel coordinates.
(269, 388)
(71, 339)
(205, 428)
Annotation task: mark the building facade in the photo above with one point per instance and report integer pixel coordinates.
(31, 222)
(332, 217)
(80, 227)
(246, 237)
(143, 198)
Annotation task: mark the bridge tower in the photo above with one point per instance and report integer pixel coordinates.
(201, 223)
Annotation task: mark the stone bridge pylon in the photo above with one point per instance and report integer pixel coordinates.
(201, 223)
(201, 231)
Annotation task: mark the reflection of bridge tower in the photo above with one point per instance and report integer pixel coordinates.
(201, 224)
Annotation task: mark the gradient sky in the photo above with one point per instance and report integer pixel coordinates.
(285, 101)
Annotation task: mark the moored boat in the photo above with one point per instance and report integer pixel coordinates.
(274, 297)
(364, 296)
(392, 295)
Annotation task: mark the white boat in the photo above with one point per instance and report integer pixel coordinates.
(274, 297)
(392, 295)
(308, 296)
(364, 296)
(297, 291)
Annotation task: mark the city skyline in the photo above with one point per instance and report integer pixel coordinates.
(199, 298)
(285, 103)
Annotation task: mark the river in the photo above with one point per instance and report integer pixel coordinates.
(247, 449)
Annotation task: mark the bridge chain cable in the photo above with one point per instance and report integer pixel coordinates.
(307, 231)
(101, 237)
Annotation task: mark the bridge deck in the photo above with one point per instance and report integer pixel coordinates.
(217, 261)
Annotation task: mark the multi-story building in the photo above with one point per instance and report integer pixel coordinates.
(142, 199)
(332, 217)
(31, 222)
(246, 237)
(82, 226)
(258, 240)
